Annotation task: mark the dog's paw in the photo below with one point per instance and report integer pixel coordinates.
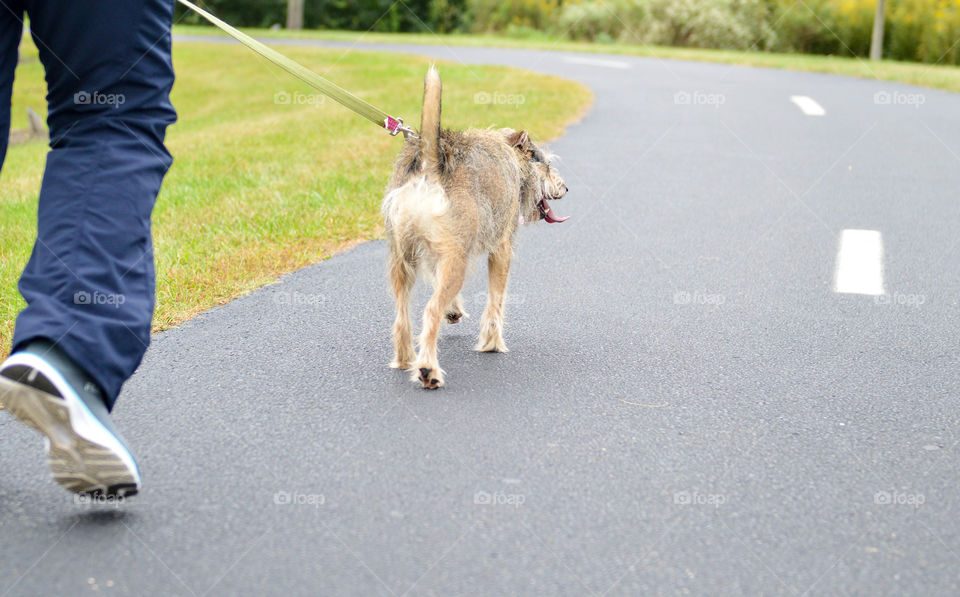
(455, 315)
(430, 378)
(491, 345)
(402, 360)
(403, 357)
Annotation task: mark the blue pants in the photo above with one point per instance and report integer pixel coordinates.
(90, 281)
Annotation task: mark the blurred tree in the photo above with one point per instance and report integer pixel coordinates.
(876, 42)
(294, 14)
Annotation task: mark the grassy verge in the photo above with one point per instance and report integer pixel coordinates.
(935, 76)
(260, 186)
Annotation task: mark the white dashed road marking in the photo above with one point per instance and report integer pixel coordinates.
(860, 263)
(808, 105)
(596, 62)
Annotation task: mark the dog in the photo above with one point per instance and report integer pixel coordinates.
(454, 196)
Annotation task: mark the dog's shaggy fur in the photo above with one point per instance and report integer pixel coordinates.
(455, 195)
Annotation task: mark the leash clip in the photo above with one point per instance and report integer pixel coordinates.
(395, 126)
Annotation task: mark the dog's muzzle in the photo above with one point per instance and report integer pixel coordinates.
(546, 212)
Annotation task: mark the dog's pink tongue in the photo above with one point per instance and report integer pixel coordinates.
(548, 214)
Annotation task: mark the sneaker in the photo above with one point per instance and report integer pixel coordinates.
(85, 452)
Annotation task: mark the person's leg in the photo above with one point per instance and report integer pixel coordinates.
(89, 284)
(11, 30)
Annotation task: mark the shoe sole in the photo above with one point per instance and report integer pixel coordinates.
(77, 461)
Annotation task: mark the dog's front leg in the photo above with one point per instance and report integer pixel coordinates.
(491, 324)
(450, 273)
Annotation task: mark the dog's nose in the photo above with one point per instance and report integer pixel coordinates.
(565, 188)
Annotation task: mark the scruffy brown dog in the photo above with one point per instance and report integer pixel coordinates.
(455, 195)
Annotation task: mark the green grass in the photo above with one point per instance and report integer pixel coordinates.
(927, 75)
(258, 189)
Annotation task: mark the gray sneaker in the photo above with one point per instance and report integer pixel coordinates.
(85, 452)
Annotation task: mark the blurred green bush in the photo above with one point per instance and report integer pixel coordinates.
(363, 15)
(916, 30)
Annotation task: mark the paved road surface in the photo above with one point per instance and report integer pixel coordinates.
(688, 405)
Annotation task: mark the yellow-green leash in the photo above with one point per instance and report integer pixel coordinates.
(331, 90)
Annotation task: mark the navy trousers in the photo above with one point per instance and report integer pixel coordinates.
(90, 281)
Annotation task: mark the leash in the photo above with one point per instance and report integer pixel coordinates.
(331, 90)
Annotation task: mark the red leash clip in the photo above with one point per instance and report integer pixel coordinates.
(395, 126)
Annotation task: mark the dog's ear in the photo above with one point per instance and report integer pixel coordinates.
(520, 140)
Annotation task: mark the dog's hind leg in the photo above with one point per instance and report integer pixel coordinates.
(455, 310)
(403, 275)
(451, 270)
(491, 324)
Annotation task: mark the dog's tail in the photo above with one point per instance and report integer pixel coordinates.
(430, 125)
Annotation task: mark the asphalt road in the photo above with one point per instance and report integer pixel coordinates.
(688, 406)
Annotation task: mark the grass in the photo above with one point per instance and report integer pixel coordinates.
(926, 75)
(259, 188)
